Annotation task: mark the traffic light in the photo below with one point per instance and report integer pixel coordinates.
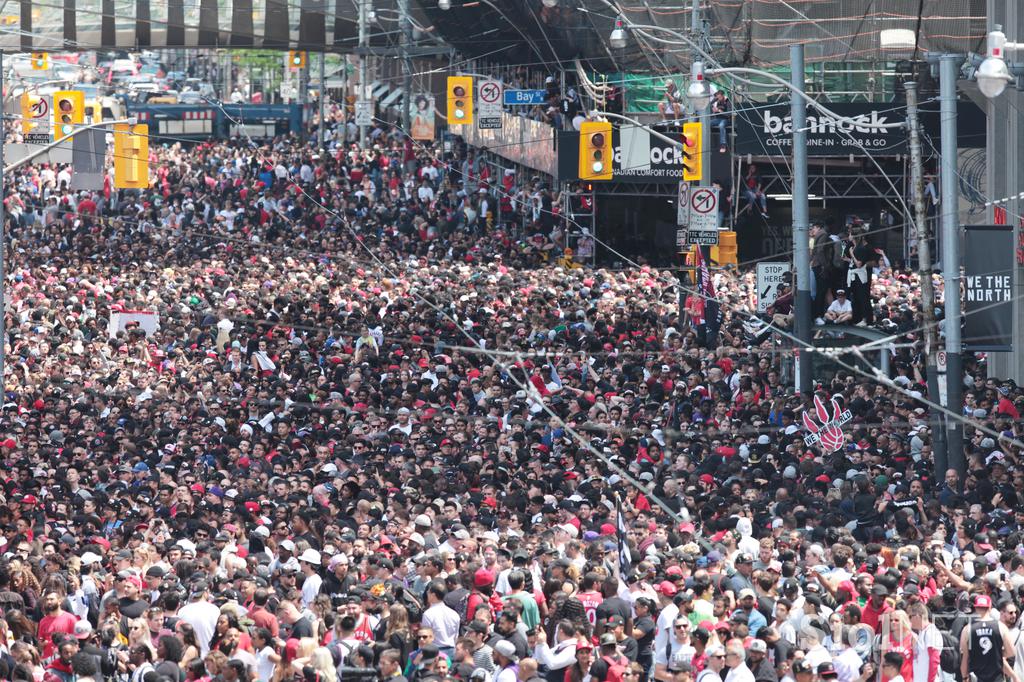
(68, 111)
(30, 105)
(692, 136)
(296, 59)
(595, 150)
(131, 156)
(460, 100)
(40, 61)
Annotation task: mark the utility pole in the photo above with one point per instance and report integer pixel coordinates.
(303, 78)
(697, 30)
(407, 40)
(949, 68)
(3, 238)
(321, 141)
(801, 221)
(362, 67)
(924, 268)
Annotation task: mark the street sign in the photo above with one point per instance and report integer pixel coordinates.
(525, 97)
(770, 277)
(683, 205)
(702, 237)
(704, 209)
(38, 119)
(681, 237)
(364, 113)
(940, 365)
(489, 103)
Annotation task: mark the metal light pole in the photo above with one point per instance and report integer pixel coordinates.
(323, 99)
(407, 100)
(362, 66)
(3, 238)
(801, 222)
(924, 268)
(949, 67)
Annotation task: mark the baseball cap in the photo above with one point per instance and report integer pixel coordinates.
(83, 629)
(483, 577)
(826, 670)
(759, 646)
(666, 588)
(983, 601)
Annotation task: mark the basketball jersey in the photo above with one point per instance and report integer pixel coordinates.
(985, 650)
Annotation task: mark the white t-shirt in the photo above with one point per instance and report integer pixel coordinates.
(264, 666)
(202, 616)
(444, 622)
(310, 588)
(840, 306)
(929, 638)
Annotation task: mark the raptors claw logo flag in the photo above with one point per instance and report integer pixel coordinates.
(827, 431)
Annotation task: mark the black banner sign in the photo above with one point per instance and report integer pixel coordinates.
(988, 288)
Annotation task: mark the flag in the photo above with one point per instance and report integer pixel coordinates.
(555, 379)
(712, 314)
(625, 559)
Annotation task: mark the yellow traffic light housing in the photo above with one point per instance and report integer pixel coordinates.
(68, 111)
(692, 151)
(595, 161)
(40, 61)
(460, 100)
(29, 108)
(296, 59)
(131, 156)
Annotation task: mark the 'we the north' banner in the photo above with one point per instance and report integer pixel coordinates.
(988, 288)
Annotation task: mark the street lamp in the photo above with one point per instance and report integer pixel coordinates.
(993, 74)
(444, 4)
(618, 37)
(699, 92)
(550, 3)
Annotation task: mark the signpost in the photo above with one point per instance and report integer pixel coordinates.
(489, 103)
(525, 97)
(770, 277)
(364, 113)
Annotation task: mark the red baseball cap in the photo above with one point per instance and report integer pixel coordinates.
(666, 588)
(483, 577)
(983, 601)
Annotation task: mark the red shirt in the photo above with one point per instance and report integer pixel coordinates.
(62, 622)
(590, 601)
(872, 616)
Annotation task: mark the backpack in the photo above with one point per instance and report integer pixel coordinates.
(949, 659)
(615, 669)
(458, 601)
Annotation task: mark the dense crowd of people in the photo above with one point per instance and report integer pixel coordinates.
(320, 414)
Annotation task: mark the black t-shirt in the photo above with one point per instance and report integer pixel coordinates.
(646, 625)
(613, 606)
(132, 609)
(630, 648)
(302, 628)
